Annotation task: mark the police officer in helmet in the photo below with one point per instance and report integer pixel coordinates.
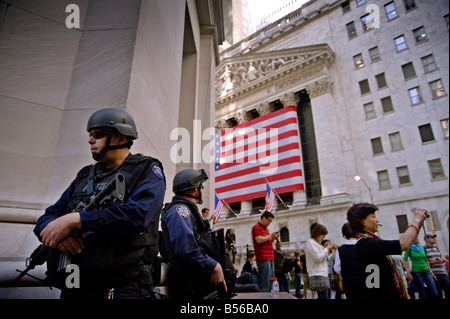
(193, 273)
(115, 259)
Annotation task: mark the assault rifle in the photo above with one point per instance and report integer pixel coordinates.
(114, 191)
(229, 273)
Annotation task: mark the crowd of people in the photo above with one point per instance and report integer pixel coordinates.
(363, 267)
(107, 223)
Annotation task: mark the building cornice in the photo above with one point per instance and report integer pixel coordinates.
(240, 77)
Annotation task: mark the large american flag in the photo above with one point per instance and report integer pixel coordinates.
(264, 149)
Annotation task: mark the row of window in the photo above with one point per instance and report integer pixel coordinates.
(415, 94)
(436, 172)
(390, 8)
(419, 33)
(425, 131)
(428, 63)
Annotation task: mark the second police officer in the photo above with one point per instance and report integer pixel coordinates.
(193, 273)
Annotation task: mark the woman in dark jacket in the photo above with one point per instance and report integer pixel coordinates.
(376, 265)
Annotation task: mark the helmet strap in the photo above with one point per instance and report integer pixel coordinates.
(199, 198)
(108, 147)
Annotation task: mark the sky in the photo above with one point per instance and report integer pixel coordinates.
(260, 9)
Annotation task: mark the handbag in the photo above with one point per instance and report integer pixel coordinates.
(319, 283)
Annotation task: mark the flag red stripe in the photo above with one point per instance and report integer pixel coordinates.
(255, 169)
(258, 181)
(263, 154)
(259, 143)
(252, 133)
(260, 119)
(279, 190)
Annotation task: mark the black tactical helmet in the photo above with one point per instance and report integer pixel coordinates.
(114, 118)
(188, 178)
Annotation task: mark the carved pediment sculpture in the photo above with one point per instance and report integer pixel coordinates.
(242, 75)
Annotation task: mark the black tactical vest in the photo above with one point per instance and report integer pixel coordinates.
(212, 245)
(109, 260)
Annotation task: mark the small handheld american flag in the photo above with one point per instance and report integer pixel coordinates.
(270, 198)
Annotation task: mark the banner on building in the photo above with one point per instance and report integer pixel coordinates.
(265, 148)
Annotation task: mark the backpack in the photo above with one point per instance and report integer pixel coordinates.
(288, 264)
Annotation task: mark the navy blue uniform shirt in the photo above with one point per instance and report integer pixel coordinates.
(179, 226)
(131, 217)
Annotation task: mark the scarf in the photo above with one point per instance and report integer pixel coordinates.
(417, 248)
(398, 281)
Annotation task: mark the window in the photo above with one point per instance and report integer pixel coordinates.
(236, 206)
(276, 105)
(365, 20)
(386, 103)
(402, 223)
(428, 63)
(284, 235)
(231, 122)
(400, 43)
(377, 146)
(359, 62)
(383, 179)
(369, 110)
(410, 4)
(374, 54)
(408, 71)
(403, 175)
(286, 199)
(420, 35)
(415, 95)
(444, 124)
(396, 142)
(346, 7)
(426, 133)
(381, 80)
(360, 2)
(391, 11)
(351, 30)
(437, 90)
(437, 172)
(258, 204)
(364, 86)
(252, 114)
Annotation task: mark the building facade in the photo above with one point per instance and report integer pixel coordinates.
(59, 64)
(370, 80)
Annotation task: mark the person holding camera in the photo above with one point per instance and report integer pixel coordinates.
(265, 256)
(374, 256)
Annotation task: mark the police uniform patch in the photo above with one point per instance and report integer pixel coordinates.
(183, 211)
(157, 171)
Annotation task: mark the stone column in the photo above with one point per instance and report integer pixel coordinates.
(246, 208)
(299, 199)
(328, 145)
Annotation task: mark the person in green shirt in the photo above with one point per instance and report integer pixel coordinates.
(420, 273)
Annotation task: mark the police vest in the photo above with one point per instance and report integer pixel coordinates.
(202, 230)
(112, 260)
(212, 245)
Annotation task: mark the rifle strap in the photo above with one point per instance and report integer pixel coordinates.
(90, 184)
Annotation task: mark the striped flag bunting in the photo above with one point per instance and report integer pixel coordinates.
(265, 149)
